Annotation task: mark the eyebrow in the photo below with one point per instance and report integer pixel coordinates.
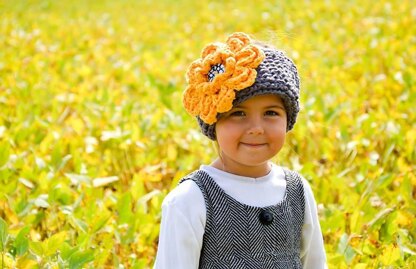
(276, 106)
(266, 107)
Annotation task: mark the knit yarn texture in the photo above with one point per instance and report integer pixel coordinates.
(277, 74)
(235, 237)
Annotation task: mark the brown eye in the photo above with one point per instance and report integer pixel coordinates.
(237, 114)
(271, 113)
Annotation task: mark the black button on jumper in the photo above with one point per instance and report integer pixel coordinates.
(266, 217)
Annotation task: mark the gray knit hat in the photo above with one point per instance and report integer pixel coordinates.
(276, 74)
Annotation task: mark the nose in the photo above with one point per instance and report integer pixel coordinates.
(255, 127)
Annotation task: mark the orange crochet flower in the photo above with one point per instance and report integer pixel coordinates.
(223, 69)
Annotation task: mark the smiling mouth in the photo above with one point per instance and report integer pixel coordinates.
(253, 145)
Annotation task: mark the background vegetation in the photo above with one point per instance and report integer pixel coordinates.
(93, 134)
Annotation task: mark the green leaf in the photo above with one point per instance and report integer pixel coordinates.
(21, 242)
(380, 216)
(345, 249)
(63, 162)
(53, 243)
(4, 153)
(3, 234)
(36, 248)
(391, 254)
(41, 201)
(343, 243)
(77, 179)
(349, 254)
(124, 208)
(101, 220)
(56, 156)
(79, 258)
(67, 251)
(79, 224)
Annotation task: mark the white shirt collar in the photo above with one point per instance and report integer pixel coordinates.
(217, 173)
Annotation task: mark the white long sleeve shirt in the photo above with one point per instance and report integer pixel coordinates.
(184, 217)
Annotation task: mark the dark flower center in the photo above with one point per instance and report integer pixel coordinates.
(215, 69)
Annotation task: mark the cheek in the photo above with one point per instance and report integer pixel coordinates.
(278, 135)
(226, 134)
(279, 127)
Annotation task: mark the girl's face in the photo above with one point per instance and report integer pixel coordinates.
(250, 134)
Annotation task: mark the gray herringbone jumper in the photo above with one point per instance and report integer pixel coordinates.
(235, 237)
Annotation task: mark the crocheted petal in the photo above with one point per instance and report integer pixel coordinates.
(196, 78)
(250, 56)
(209, 61)
(248, 78)
(225, 54)
(242, 78)
(211, 49)
(225, 100)
(209, 112)
(230, 63)
(191, 100)
(218, 81)
(210, 118)
(193, 72)
(237, 41)
(259, 58)
(210, 88)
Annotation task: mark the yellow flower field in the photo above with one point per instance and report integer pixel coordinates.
(93, 133)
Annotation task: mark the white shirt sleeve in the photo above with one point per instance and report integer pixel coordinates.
(313, 251)
(182, 228)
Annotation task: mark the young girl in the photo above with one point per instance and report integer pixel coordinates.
(242, 211)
